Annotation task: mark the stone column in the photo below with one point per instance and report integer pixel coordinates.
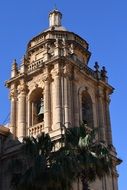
(32, 115)
(76, 108)
(47, 105)
(109, 131)
(58, 100)
(80, 107)
(21, 128)
(66, 102)
(101, 115)
(114, 180)
(29, 114)
(13, 112)
(71, 100)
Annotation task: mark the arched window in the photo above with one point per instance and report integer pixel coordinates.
(39, 110)
(36, 107)
(87, 110)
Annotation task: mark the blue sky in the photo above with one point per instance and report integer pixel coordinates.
(102, 23)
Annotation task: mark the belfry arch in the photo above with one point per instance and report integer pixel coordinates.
(36, 107)
(86, 108)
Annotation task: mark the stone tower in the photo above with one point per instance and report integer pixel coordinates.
(55, 87)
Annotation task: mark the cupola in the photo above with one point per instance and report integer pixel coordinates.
(55, 18)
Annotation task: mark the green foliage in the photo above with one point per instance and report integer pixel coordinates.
(79, 156)
(93, 157)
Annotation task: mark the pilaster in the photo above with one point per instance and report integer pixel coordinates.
(47, 102)
(58, 96)
(13, 99)
(66, 95)
(21, 128)
(101, 115)
(109, 131)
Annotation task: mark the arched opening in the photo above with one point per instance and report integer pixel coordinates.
(36, 107)
(86, 109)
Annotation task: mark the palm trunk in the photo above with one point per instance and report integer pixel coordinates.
(85, 185)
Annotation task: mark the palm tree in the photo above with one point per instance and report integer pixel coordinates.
(44, 168)
(80, 156)
(94, 159)
(36, 153)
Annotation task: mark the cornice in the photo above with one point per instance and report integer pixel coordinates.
(4, 130)
(82, 41)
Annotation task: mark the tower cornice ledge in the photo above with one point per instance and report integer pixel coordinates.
(53, 34)
(15, 79)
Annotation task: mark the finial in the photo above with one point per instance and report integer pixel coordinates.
(14, 68)
(96, 66)
(104, 69)
(24, 59)
(55, 7)
(14, 62)
(23, 65)
(104, 74)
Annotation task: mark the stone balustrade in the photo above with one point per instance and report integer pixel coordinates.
(36, 64)
(36, 129)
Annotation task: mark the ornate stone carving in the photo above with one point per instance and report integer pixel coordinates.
(37, 82)
(22, 88)
(56, 71)
(71, 48)
(57, 43)
(47, 47)
(12, 94)
(68, 71)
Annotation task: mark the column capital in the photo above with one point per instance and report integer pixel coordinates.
(108, 100)
(56, 73)
(47, 78)
(68, 71)
(12, 94)
(22, 88)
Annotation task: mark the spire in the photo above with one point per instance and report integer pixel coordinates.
(14, 64)
(23, 65)
(14, 69)
(55, 17)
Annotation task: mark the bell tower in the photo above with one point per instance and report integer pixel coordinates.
(54, 88)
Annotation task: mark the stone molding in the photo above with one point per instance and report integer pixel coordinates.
(4, 130)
